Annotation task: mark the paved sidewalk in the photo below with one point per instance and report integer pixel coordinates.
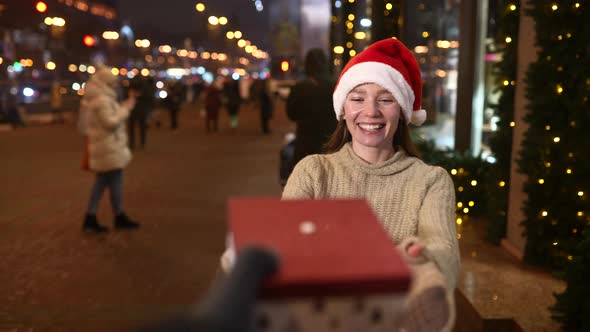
(55, 278)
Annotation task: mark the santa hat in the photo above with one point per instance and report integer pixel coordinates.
(390, 64)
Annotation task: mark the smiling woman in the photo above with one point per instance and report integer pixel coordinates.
(370, 155)
(372, 117)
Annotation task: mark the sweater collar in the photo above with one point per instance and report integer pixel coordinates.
(399, 162)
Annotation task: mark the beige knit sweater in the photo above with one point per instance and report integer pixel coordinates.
(409, 197)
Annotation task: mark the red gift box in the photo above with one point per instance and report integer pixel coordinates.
(325, 247)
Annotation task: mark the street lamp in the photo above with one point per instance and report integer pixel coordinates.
(144, 43)
(213, 20)
(88, 40)
(200, 7)
(54, 21)
(165, 49)
(41, 7)
(110, 35)
(284, 66)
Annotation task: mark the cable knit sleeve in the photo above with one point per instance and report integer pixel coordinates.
(300, 182)
(436, 225)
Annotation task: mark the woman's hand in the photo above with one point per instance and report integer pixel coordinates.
(129, 103)
(415, 250)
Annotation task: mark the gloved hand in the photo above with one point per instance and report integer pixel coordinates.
(429, 306)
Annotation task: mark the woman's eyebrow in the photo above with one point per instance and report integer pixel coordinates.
(359, 90)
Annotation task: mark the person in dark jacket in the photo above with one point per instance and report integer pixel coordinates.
(261, 98)
(11, 105)
(309, 105)
(144, 90)
(231, 90)
(174, 102)
(213, 104)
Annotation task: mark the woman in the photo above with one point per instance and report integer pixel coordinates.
(102, 120)
(213, 104)
(370, 155)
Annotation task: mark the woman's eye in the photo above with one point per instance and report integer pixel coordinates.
(387, 101)
(356, 99)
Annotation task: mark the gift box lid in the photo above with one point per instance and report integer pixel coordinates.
(325, 247)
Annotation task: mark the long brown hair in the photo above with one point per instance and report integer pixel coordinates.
(402, 138)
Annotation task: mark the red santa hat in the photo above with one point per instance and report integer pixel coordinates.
(390, 64)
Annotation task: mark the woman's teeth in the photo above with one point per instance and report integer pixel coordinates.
(371, 127)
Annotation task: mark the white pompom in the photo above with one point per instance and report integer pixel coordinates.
(418, 117)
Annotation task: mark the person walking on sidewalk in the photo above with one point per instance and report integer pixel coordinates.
(260, 96)
(309, 105)
(231, 90)
(102, 121)
(213, 104)
(174, 102)
(56, 103)
(370, 155)
(143, 90)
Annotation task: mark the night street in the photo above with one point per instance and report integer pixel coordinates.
(53, 277)
(462, 124)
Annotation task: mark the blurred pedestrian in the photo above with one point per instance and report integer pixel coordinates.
(198, 86)
(309, 105)
(263, 101)
(174, 101)
(13, 107)
(143, 89)
(231, 90)
(102, 121)
(213, 103)
(56, 103)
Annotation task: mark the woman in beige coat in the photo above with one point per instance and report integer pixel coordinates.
(102, 121)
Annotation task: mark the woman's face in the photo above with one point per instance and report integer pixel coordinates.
(372, 116)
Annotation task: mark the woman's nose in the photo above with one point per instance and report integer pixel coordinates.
(372, 109)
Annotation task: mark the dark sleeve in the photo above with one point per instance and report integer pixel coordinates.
(294, 108)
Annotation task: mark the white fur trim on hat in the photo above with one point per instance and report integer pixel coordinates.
(378, 73)
(418, 117)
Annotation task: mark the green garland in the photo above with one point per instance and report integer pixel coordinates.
(554, 154)
(506, 39)
(573, 306)
(386, 19)
(468, 173)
